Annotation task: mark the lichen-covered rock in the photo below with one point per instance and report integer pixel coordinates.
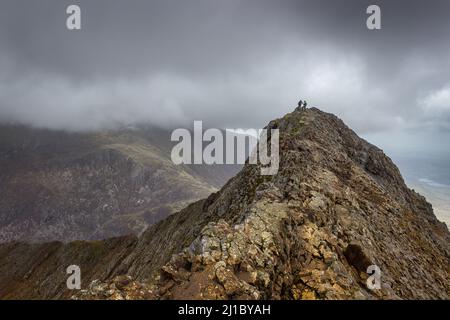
(119, 288)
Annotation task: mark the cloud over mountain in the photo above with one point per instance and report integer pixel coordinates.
(227, 63)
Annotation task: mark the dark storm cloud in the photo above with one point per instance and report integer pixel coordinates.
(231, 63)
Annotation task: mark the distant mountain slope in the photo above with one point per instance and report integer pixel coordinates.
(66, 186)
(336, 206)
(429, 175)
(439, 196)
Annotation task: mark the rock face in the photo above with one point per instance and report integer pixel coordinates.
(336, 206)
(71, 186)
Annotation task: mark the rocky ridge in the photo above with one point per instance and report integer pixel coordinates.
(337, 205)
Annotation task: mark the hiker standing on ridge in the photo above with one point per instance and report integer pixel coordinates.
(301, 105)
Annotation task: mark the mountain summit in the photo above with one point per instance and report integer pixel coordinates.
(337, 206)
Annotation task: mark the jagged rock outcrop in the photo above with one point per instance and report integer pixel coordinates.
(337, 205)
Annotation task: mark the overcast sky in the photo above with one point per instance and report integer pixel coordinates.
(231, 63)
